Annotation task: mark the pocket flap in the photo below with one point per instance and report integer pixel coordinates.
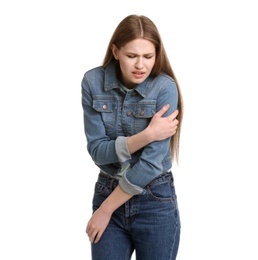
(107, 106)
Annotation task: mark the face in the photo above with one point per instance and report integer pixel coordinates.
(136, 60)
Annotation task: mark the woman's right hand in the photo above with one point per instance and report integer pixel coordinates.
(163, 127)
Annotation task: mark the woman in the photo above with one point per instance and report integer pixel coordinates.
(130, 104)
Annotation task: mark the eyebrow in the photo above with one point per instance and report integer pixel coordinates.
(133, 53)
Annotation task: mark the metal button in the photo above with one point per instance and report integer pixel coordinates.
(129, 113)
(142, 111)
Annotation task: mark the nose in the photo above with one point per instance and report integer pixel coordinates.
(139, 63)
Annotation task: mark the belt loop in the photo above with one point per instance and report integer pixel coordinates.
(110, 184)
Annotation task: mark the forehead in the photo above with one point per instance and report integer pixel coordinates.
(139, 46)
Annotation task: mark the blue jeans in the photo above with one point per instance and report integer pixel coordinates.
(148, 223)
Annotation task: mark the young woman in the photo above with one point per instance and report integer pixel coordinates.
(130, 106)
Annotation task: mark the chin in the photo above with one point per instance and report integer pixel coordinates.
(138, 81)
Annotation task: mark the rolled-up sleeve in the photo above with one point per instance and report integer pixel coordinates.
(122, 150)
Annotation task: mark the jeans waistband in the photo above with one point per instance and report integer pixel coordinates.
(112, 182)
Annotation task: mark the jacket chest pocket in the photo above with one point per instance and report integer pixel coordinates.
(108, 110)
(143, 112)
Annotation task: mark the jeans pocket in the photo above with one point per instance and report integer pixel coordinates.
(101, 189)
(164, 191)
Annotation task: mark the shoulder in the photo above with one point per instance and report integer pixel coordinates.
(94, 72)
(164, 82)
(92, 79)
(164, 79)
(94, 76)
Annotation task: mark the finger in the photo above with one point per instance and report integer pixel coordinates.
(163, 110)
(174, 123)
(93, 237)
(88, 229)
(97, 237)
(173, 115)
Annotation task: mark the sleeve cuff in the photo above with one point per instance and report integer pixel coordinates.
(122, 150)
(129, 187)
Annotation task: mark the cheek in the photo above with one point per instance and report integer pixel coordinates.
(150, 64)
(125, 67)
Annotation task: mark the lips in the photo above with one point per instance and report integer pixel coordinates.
(138, 74)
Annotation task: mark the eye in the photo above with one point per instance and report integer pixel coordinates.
(149, 56)
(131, 56)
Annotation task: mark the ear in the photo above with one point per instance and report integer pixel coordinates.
(114, 51)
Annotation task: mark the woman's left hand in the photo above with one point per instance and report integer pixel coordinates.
(97, 224)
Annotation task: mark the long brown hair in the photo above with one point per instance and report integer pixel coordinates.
(138, 26)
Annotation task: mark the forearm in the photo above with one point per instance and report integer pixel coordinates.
(117, 198)
(138, 141)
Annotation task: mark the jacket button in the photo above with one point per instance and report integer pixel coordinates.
(129, 113)
(104, 106)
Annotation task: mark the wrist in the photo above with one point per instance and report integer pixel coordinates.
(106, 208)
(148, 135)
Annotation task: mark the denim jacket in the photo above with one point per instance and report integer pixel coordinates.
(111, 115)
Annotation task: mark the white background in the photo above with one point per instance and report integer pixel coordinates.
(47, 176)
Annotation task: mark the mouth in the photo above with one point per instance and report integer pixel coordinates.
(138, 74)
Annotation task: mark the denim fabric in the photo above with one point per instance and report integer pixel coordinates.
(148, 223)
(110, 115)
